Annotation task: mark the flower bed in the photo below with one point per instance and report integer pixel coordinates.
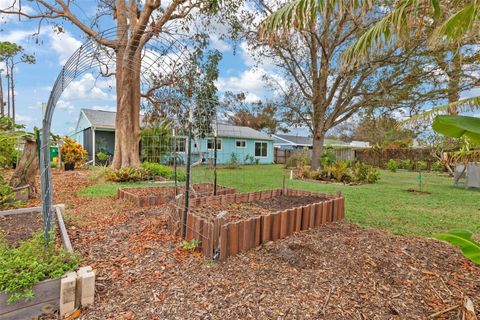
(156, 196)
(222, 237)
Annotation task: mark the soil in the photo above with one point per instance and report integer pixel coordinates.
(239, 211)
(418, 192)
(338, 271)
(19, 227)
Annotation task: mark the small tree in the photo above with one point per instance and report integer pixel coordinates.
(9, 53)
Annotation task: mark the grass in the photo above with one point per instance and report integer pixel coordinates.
(384, 205)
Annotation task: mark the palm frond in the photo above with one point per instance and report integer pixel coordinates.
(459, 24)
(464, 105)
(300, 14)
(392, 27)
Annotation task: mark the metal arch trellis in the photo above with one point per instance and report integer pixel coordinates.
(163, 53)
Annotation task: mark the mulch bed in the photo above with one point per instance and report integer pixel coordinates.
(418, 192)
(19, 227)
(338, 271)
(240, 211)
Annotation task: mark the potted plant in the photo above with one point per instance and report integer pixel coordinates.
(73, 154)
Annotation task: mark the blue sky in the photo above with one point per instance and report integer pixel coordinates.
(34, 82)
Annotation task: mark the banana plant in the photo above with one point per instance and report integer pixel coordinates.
(456, 126)
(463, 240)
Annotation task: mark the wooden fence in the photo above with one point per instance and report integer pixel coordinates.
(281, 155)
(221, 240)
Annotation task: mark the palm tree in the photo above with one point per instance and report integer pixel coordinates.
(394, 28)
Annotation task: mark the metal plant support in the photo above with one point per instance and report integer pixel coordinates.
(164, 52)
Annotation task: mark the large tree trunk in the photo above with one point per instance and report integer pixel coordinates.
(317, 152)
(27, 169)
(127, 122)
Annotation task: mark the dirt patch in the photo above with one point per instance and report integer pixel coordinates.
(238, 211)
(418, 192)
(19, 227)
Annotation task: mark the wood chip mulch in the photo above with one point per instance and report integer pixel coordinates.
(338, 271)
(239, 211)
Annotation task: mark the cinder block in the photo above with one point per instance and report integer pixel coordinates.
(67, 293)
(85, 286)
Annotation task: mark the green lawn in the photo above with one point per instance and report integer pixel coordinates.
(384, 205)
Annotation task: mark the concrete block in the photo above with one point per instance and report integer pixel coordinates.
(67, 293)
(85, 286)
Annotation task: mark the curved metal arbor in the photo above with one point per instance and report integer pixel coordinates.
(160, 55)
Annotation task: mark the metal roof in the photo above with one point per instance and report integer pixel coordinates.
(294, 140)
(106, 120)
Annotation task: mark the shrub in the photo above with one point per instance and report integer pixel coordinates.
(126, 174)
(72, 152)
(338, 171)
(249, 159)
(298, 159)
(305, 172)
(30, 263)
(328, 158)
(392, 165)
(421, 165)
(406, 164)
(159, 170)
(233, 161)
(7, 196)
(437, 166)
(364, 173)
(102, 156)
(53, 164)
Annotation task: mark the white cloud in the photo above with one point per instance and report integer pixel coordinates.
(66, 106)
(89, 88)
(17, 36)
(23, 118)
(104, 108)
(64, 44)
(219, 44)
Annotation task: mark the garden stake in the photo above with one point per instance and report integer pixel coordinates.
(187, 183)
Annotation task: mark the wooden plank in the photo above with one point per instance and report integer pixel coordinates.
(224, 242)
(258, 230)
(20, 211)
(305, 217)
(318, 214)
(266, 228)
(247, 235)
(233, 239)
(291, 221)
(63, 230)
(311, 219)
(283, 224)
(44, 292)
(241, 234)
(298, 219)
(276, 225)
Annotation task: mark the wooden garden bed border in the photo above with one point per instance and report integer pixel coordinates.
(158, 200)
(50, 292)
(220, 240)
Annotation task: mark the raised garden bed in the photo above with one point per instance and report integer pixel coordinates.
(229, 224)
(63, 294)
(156, 196)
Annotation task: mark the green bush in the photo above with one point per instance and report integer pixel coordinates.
(126, 174)
(328, 158)
(159, 170)
(298, 159)
(7, 196)
(392, 165)
(53, 164)
(421, 165)
(406, 164)
(233, 162)
(338, 171)
(364, 173)
(30, 263)
(102, 156)
(437, 166)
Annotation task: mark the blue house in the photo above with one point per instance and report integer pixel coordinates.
(95, 131)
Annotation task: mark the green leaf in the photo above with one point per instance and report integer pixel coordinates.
(458, 126)
(463, 240)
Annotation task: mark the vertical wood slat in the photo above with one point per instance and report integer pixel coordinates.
(241, 235)
(258, 230)
(190, 223)
(247, 235)
(267, 228)
(291, 221)
(233, 239)
(276, 226)
(324, 212)
(298, 219)
(311, 220)
(224, 253)
(318, 214)
(305, 217)
(283, 224)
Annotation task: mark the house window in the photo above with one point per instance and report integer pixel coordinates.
(261, 149)
(240, 143)
(180, 145)
(211, 144)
